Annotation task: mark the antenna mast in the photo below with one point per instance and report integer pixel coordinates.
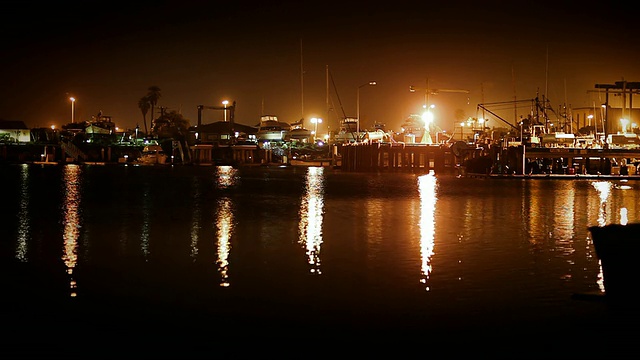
(301, 83)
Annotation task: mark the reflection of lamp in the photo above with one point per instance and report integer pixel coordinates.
(225, 102)
(624, 123)
(358, 106)
(315, 121)
(73, 101)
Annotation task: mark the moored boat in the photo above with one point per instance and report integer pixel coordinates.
(271, 129)
(152, 155)
(348, 131)
(413, 129)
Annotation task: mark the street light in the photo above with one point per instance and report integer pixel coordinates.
(427, 119)
(315, 121)
(371, 83)
(225, 102)
(73, 101)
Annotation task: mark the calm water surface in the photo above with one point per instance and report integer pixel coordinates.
(188, 261)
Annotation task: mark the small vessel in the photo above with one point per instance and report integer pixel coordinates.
(348, 131)
(298, 132)
(271, 129)
(412, 129)
(152, 155)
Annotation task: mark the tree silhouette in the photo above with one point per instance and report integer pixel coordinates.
(144, 106)
(153, 96)
(171, 125)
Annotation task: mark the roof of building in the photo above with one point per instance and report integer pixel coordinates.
(12, 125)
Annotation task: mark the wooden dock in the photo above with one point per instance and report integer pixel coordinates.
(396, 157)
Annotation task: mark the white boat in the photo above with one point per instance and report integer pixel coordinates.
(348, 131)
(271, 129)
(151, 155)
(413, 129)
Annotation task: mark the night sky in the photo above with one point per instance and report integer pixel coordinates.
(272, 58)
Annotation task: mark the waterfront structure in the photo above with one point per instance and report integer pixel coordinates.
(12, 131)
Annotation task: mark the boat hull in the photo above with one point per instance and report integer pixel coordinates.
(617, 246)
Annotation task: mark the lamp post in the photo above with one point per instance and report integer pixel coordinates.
(371, 83)
(225, 102)
(73, 101)
(315, 122)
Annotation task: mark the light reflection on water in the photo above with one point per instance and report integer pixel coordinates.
(311, 213)
(23, 215)
(427, 185)
(71, 220)
(403, 242)
(227, 176)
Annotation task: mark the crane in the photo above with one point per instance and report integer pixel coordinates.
(428, 91)
(230, 109)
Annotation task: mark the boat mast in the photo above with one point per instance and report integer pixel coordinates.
(301, 84)
(544, 96)
(327, 109)
(515, 99)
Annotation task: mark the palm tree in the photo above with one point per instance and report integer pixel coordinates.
(153, 96)
(144, 106)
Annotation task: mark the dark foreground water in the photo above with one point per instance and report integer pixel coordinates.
(181, 262)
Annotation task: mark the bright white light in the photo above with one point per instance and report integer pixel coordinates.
(624, 123)
(427, 117)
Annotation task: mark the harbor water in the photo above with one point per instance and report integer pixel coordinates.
(200, 261)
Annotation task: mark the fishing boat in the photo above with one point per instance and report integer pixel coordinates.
(348, 131)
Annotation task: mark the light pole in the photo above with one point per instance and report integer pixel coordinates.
(315, 122)
(524, 148)
(73, 101)
(225, 102)
(371, 83)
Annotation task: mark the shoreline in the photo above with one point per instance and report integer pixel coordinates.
(552, 176)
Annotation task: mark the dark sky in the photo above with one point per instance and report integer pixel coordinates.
(107, 54)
